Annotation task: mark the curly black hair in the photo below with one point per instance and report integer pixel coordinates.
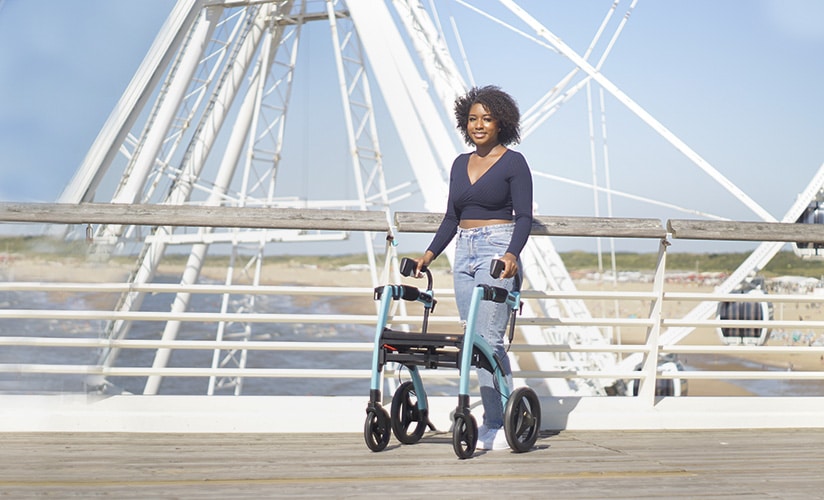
(499, 104)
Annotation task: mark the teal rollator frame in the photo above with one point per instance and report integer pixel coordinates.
(409, 414)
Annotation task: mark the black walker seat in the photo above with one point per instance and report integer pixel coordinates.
(429, 350)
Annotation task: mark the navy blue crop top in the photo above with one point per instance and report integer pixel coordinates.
(503, 192)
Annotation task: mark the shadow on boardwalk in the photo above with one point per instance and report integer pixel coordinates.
(571, 464)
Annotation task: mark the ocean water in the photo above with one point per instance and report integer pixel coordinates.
(759, 387)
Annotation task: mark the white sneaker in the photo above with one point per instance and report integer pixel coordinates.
(493, 439)
(482, 430)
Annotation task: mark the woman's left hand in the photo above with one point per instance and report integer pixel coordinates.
(510, 266)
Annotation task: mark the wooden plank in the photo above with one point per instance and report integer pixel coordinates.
(745, 231)
(616, 227)
(417, 222)
(194, 216)
(721, 463)
(546, 225)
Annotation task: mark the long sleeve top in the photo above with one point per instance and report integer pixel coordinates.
(502, 192)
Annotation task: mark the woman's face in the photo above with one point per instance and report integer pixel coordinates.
(482, 127)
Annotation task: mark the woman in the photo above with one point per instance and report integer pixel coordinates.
(490, 210)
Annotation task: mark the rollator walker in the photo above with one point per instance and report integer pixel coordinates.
(408, 417)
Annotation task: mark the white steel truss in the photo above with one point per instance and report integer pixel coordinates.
(208, 53)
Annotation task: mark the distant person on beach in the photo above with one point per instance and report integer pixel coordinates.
(489, 208)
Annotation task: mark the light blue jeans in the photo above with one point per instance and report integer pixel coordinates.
(474, 250)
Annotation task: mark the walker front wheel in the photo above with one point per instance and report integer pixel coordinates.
(405, 413)
(376, 429)
(464, 435)
(522, 419)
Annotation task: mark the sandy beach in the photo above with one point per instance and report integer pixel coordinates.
(287, 272)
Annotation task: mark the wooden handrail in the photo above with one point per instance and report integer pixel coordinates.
(405, 222)
(745, 231)
(546, 225)
(194, 216)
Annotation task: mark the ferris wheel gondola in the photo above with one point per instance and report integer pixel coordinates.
(663, 386)
(813, 214)
(745, 311)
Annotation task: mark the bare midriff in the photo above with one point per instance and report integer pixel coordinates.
(473, 223)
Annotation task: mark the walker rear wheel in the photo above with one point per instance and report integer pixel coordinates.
(464, 435)
(376, 429)
(405, 413)
(522, 419)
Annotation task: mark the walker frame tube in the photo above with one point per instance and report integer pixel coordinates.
(473, 341)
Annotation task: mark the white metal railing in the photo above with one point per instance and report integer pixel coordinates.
(79, 341)
(368, 320)
(657, 298)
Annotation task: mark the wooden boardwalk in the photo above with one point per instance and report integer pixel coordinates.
(739, 464)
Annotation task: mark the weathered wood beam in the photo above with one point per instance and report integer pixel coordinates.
(745, 231)
(545, 225)
(194, 216)
(407, 222)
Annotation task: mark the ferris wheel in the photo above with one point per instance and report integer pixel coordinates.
(347, 104)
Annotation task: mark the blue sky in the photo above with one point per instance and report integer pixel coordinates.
(738, 80)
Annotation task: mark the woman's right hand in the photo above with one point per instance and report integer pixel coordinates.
(422, 262)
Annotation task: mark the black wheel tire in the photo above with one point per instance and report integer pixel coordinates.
(464, 435)
(405, 413)
(522, 419)
(376, 429)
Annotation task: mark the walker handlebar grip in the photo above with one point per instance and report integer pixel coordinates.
(405, 292)
(496, 267)
(495, 293)
(410, 293)
(409, 267)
